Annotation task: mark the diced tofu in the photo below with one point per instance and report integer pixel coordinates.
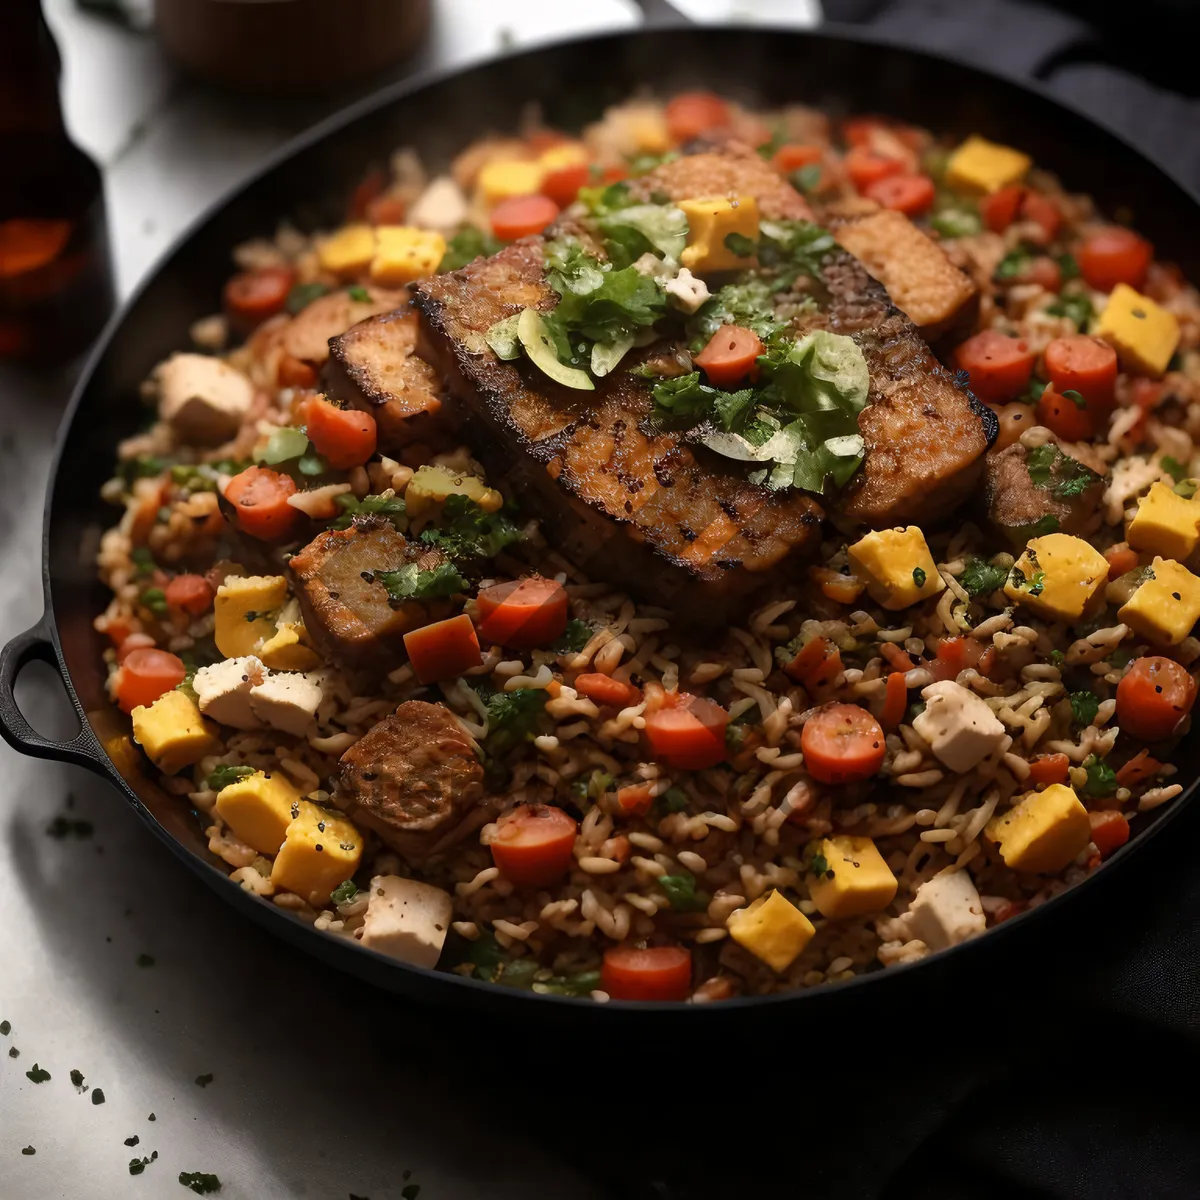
(287, 701)
(431, 485)
(1165, 523)
(897, 565)
(407, 920)
(647, 126)
(173, 733)
(404, 254)
(349, 251)
(710, 224)
(1166, 606)
(242, 612)
(441, 206)
(259, 809)
(1144, 334)
(503, 178)
(288, 651)
(1044, 832)
(565, 154)
(223, 691)
(772, 929)
(959, 726)
(1057, 576)
(202, 398)
(320, 850)
(856, 880)
(688, 292)
(982, 166)
(946, 910)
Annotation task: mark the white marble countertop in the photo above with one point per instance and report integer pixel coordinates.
(284, 1116)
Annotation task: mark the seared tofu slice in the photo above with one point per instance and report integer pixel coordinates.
(1019, 509)
(412, 779)
(373, 366)
(308, 334)
(346, 610)
(921, 280)
(202, 398)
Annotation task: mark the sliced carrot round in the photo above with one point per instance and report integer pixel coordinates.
(842, 743)
(344, 437)
(895, 700)
(635, 800)
(865, 166)
(957, 654)
(1050, 768)
(999, 209)
(1042, 211)
(791, 156)
(817, 664)
(533, 844)
(192, 594)
(294, 372)
(386, 210)
(1082, 364)
(253, 296)
(655, 973)
(730, 356)
(523, 613)
(1110, 831)
(522, 216)
(1065, 416)
(692, 113)
(1114, 255)
(1121, 558)
(1138, 769)
(688, 734)
(562, 185)
(444, 649)
(145, 675)
(605, 690)
(999, 366)
(1154, 695)
(260, 499)
(912, 195)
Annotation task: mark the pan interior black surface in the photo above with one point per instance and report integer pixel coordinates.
(572, 83)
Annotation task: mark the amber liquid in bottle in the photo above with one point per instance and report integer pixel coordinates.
(55, 276)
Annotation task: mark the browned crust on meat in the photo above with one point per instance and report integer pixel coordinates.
(411, 778)
(307, 335)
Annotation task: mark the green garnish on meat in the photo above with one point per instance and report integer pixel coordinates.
(1053, 471)
(466, 246)
(409, 582)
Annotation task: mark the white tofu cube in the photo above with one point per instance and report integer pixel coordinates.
(960, 728)
(288, 701)
(223, 691)
(441, 206)
(946, 910)
(407, 920)
(202, 398)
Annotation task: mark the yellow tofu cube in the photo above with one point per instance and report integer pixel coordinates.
(982, 166)
(897, 566)
(1057, 576)
(1144, 334)
(855, 879)
(1165, 523)
(710, 224)
(405, 254)
(502, 178)
(348, 251)
(259, 809)
(1044, 832)
(647, 126)
(288, 650)
(242, 612)
(565, 154)
(173, 733)
(431, 485)
(772, 929)
(320, 850)
(1166, 606)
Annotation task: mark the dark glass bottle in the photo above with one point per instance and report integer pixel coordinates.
(55, 276)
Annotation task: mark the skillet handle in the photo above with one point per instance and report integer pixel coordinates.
(82, 750)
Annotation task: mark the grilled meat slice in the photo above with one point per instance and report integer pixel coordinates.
(612, 489)
(372, 366)
(1015, 504)
(346, 611)
(923, 283)
(308, 334)
(412, 778)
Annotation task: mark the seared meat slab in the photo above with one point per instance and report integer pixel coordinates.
(1016, 505)
(411, 779)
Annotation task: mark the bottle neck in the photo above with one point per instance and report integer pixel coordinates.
(29, 71)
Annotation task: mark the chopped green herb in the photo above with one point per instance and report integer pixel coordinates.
(311, 464)
(513, 717)
(226, 774)
(1076, 398)
(466, 246)
(13, 1052)
(284, 445)
(302, 295)
(1186, 488)
(681, 892)
(674, 799)
(465, 531)
(750, 304)
(1074, 305)
(132, 1141)
(1067, 266)
(27, 1150)
(145, 960)
(37, 1075)
(642, 164)
(5, 1028)
(576, 635)
(1084, 707)
(735, 735)
(344, 892)
(1173, 467)
(740, 244)
(409, 582)
(808, 178)
(138, 1165)
(391, 507)
(155, 599)
(1052, 470)
(144, 466)
(1014, 264)
(143, 560)
(63, 827)
(97, 1096)
(203, 1080)
(1048, 523)
(981, 578)
(1033, 393)
(1057, 657)
(359, 295)
(199, 1182)
(918, 577)
(637, 229)
(818, 865)
(956, 222)
(1101, 778)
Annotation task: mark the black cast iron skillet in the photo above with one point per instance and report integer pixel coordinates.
(835, 69)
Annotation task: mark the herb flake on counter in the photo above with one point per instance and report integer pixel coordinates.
(203, 1080)
(138, 1165)
(28, 1150)
(97, 1095)
(5, 1028)
(132, 1141)
(151, 1117)
(37, 1074)
(13, 1052)
(64, 827)
(77, 1080)
(200, 1182)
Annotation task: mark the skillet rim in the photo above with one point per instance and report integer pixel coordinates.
(420, 983)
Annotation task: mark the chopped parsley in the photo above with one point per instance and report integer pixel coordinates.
(1053, 471)
(573, 639)
(200, 1183)
(97, 1095)
(132, 1141)
(143, 560)
(344, 892)
(1076, 398)
(203, 1080)
(808, 178)
(1057, 657)
(155, 599)
(1173, 467)
(465, 531)
(1074, 305)
(284, 445)
(5, 1028)
(409, 582)
(27, 1150)
(818, 865)
(1068, 268)
(37, 1075)
(302, 295)
(1186, 488)
(918, 577)
(226, 774)
(673, 800)
(466, 246)
(1084, 707)
(13, 1052)
(138, 1165)
(1101, 778)
(391, 507)
(64, 827)
(740, 244)
(1048, 523)
(982, 578)
(1033, 393)
(750, 304)
(681, 891)
(359, 294)
(77, 1078)
(513, 717)
(1014, 264)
